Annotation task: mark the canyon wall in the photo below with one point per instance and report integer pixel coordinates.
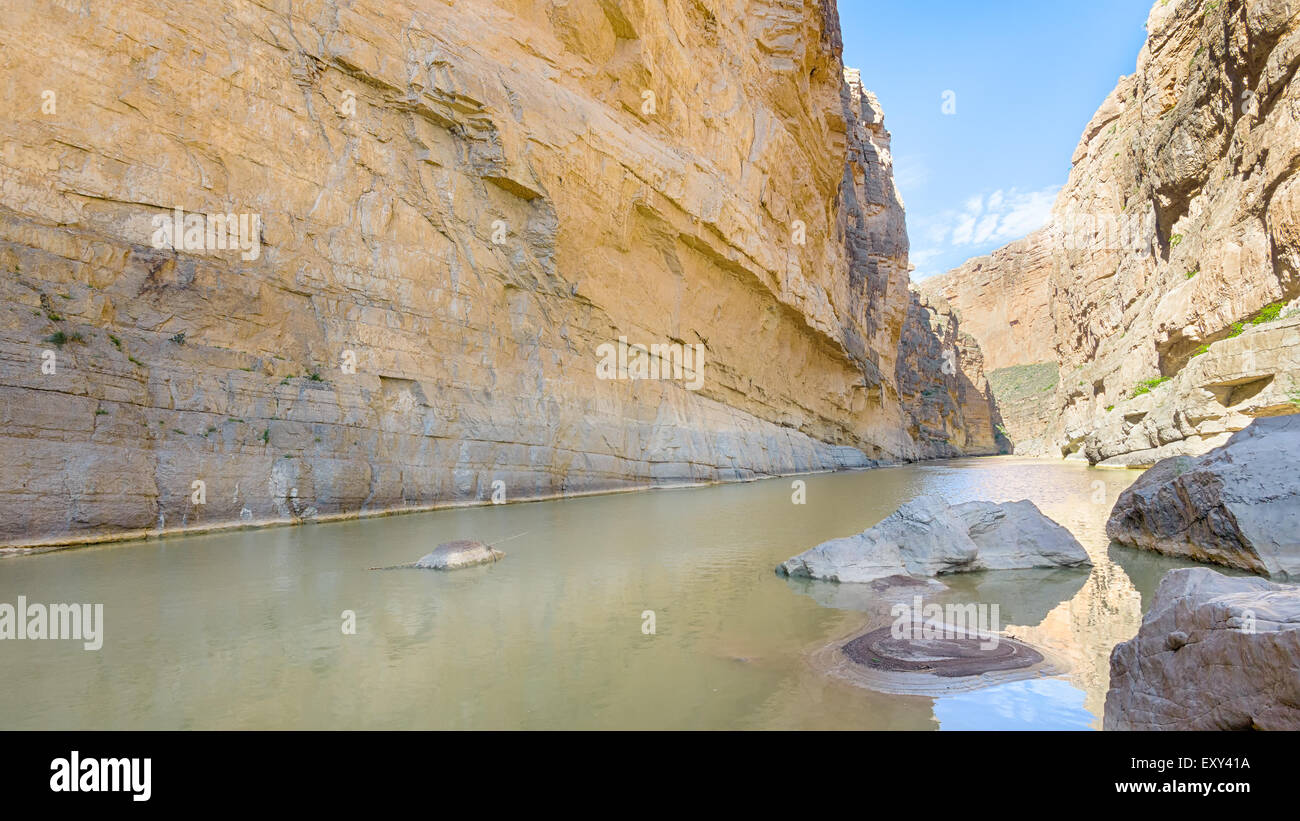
(451, 208)
(1003, 301)
(1171, 264)
(941, 378)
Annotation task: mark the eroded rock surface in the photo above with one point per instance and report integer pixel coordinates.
(940, 376)
(949, 657)
(927, 537)
(1238, 505)
(457, 205)
(1214, 653)
(1173, 250)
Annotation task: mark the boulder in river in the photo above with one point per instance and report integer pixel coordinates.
(1238, 505)
(457, 554)
(927, 537)
(1215, 652)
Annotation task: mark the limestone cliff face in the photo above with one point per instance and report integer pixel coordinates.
(941, 377)
(1176, 232)
(451, 207)
(1003, 300)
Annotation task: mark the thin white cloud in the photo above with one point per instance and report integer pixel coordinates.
(1001, 217)
(922, 257)
(965, 230)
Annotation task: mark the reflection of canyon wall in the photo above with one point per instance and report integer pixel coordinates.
(1174, 249)
(1083, 630)
(470, 199)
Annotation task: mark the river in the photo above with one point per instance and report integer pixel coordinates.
(245, 629)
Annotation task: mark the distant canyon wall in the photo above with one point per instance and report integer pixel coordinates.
(1003, 300)
(447, 210)
(1169, 269)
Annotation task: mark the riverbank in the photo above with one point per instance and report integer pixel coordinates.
(154, 534)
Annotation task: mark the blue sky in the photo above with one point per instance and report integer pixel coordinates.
(1026, 77)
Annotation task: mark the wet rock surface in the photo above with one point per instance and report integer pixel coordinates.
(960, 655)
(457, 554)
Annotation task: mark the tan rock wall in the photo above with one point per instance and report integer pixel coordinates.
(469, 198)
(1003, 300)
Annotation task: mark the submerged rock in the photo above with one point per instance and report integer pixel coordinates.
(457, 554)
(1238, 505)
(950, 656)
(1214, 653)
(926, 537)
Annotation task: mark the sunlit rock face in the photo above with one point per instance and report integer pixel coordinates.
(1002, 300)
(441, 213)
(1173, 251)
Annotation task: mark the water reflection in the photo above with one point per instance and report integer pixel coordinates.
(243, 630)
(1041, 704)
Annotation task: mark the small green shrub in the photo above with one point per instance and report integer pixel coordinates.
(1175, 240)
(1193, 273)
(1147, 385)
(117, 343)
(1236, 329)
(60, 338)
(1268, 314)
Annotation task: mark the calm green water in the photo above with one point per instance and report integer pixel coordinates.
(244, 630)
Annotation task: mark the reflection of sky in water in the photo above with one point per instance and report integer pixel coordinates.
(1035, 704)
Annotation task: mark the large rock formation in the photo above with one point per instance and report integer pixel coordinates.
(940, 377)
(1213, 653)
(1003, 301)
(926, 537)
(1179, 227)
(448, 212)
(1219, 392)
(1238, 505)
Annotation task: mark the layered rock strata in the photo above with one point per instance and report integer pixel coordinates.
(441, 214)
